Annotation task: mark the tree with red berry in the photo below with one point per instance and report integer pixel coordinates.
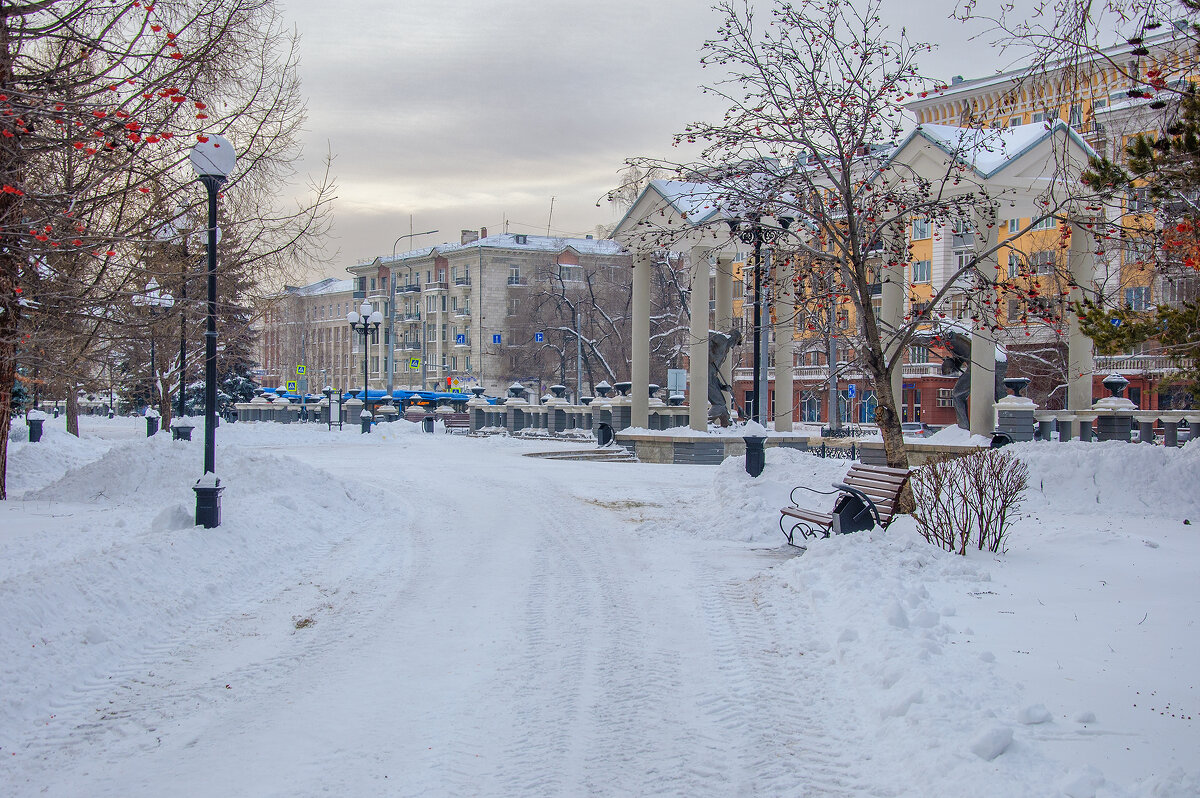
(99, 104)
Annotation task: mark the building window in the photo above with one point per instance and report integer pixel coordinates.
(1138, 200)
(514, 306)
(944, 397)
(920, 229)
(1014, 265)
(1014, 122)
(431, 333)
(1042, 262)
(918, 354)
(1049, 223)
(1138, 298)
(1014, 309)
(514, 274)
(922, 271)
(1014, 225)
(569, 273)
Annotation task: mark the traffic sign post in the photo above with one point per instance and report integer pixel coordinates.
(414, 363)
(291, 385)
(301, 371)
(539, 337)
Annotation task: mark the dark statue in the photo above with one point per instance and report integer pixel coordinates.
(719, 344)
(958, 361)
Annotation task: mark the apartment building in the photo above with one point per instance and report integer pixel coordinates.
(306, 326)
(481, 311)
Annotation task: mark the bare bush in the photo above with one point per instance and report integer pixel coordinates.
(969, 500)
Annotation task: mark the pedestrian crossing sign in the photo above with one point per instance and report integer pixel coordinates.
(291, 385)
(301, 371)
(414, 362)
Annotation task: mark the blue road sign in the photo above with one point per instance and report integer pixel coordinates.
(460, 338)
(539, 337)
(851, 389)
(496, 338)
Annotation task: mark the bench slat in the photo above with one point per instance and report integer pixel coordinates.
(879, 483)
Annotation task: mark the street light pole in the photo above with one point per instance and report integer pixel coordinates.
(390, 335)
(364, 322)
(212, 159)
(753, 231)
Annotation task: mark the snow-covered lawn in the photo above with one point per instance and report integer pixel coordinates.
(434, 615)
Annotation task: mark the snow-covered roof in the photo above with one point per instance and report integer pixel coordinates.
(990, 150)
(330, 285)
(519, 241)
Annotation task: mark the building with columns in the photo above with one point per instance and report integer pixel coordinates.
(1020, 172)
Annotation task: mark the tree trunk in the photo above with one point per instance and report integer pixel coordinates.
(73, 410)
(8, 375)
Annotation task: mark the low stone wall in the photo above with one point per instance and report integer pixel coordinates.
(697, 449)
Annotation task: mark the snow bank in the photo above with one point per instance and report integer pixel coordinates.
(121, 564)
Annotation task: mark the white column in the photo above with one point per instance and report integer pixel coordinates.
(724, 319)
(698, 348)
(785, 326)
(982, 413)
(891, 307)
(640, 367)
(1080, 262)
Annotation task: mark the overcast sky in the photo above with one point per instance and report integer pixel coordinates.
(466, 113)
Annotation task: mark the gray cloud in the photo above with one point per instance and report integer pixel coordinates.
(463, 113)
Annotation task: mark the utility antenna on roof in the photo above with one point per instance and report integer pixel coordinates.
(551, 217)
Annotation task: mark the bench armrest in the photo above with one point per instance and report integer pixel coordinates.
(792, 495)
(864, 498)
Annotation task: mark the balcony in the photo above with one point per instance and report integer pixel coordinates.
(515, 281)
(441, 285)
(411, 288)
(461, 314)
(462, 282)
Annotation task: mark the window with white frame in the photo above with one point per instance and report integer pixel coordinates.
(570, 273)
(920, 228)
(922, 271)
(1014, 225)
(918, 354)
(1138, 297)
(514, 306)
(945, 397)
(1042, 262)
(1049, 223)
(1014, 265)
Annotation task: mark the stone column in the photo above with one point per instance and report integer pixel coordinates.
(983, 340)
(1079, 346)
(891, 306)
(640, 368)
(724, 318)
(785, 326)
(698, 349)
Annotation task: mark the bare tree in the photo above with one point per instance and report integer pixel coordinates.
(98, 104)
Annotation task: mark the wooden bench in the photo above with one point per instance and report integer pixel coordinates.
(866, 498)
(456, 421)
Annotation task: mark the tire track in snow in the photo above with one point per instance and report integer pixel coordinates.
(795, 737)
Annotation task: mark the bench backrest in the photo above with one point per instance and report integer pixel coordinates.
(881, 483)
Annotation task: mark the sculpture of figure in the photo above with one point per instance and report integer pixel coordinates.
(719, 344)
(958, 361)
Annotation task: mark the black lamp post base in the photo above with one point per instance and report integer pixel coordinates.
(181, 432)
(208, 504)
